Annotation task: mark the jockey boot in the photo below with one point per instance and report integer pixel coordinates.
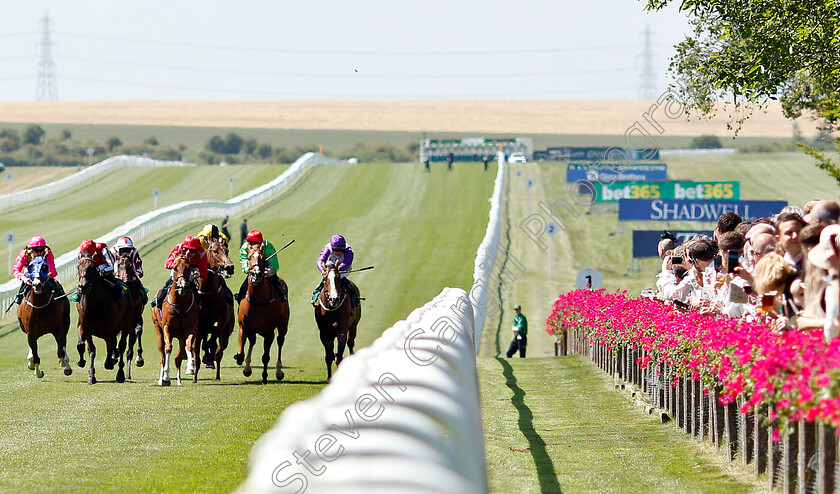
(23, 289)
(158, 301)
(141, 290)
(317, 292)
(354, 297)
(275, 282)
(242, 291)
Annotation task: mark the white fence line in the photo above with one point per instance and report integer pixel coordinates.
(47, 190)
(402, 415)
(486, 255)
(161, 219)
(695, 152)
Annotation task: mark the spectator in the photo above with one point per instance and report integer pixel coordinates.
(743, 227)
(825, 211)
(813, 311)
(225, 225)
(825, 256)
(520, 332)
(773, 279)
(701, 253)
(788, 225)
(726, 223)
(665, 246)
(243, 231)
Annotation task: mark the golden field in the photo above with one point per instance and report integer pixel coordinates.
(523, 117)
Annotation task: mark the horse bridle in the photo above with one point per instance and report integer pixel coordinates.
(49, 301)
(340, 299)
(188, 279)
(217, 271)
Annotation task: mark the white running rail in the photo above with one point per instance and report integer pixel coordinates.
(486, 255)
(401, 416)
(161, 219)
(48, 190)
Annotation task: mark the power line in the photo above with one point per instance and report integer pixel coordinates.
(46, 88)
(263, 49)
(217, 70)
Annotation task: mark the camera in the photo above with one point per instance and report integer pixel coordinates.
(732, 260)
(676, 260)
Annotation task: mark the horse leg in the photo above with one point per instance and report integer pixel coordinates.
(179, 357)
(121, 350)
(329, 356)
(110, 352)
(80, 347)
(129, 354)
(238, 357)
(342, 342)
(281, 338)
(92, 355)
(165, 349)
(61, 343)
(224, 337)
(351, 338)
(139, 362)
(191, 363)
(252, 340)
(34, 359)
(193, 349)
(266, 358)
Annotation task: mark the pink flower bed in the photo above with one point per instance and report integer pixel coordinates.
(796, 374)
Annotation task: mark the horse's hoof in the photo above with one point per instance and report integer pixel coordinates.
(246, 372)
(39, 374)
(210, 365)
(139, 362)
(189, 372)
(265, 377)
(161, 382)
(68, 371)
(91, 380)
(30, 364)
(120, 376)
(195, 378)
(279, 374)
(238, 358)
(81, 363)
(207, 359)
(109, 365)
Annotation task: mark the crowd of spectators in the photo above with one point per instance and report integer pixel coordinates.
(781, 270)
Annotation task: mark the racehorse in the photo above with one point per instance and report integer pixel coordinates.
(124, 269)
(335, 317)
(260, 312)
(40, 313)
(177, 317)
(215, 316)
(102, 316)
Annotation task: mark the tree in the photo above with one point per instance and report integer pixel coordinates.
(706, 142)
(249, 146)
(113, 143)
(216, 145)
(66, 134)
(33, 134)
(751, 52)
(151, 141)
(9, 140)
(264, 151)
(233, 143)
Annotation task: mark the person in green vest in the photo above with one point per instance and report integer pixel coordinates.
(520, 332)
(255, 237)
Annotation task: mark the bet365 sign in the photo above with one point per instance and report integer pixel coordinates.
(723, 191)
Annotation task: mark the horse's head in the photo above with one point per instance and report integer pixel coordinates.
(88, 274)
(38, 271)
(332, 284)
(256, 264)
(218, 258)
(124, 268)
(182, 275)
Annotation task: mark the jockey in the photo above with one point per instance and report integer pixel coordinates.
(37, 247)
(211, 231)
(339, 253)
(192, 250)
(125, 247)
(104, 263)
(255, 237)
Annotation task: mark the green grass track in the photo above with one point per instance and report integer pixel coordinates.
(60, 434)
(112, 198)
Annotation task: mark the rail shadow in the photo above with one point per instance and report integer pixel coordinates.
(545, 467)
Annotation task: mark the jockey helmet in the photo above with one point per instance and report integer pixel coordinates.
(254, 236)
(37, 241)
(210, 231)
(338, 242)
(124, 243)
(191, 243)
(87, 246)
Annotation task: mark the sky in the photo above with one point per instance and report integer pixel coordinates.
(323, 50)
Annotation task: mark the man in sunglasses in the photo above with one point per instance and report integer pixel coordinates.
(37, 247)
(195, 254)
